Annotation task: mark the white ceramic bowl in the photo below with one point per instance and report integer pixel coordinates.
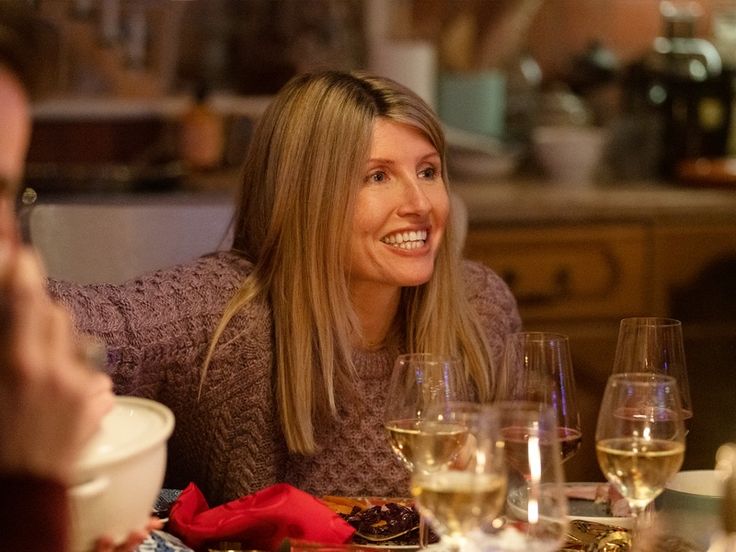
(120, 472)
(690, 505)
(569, 154)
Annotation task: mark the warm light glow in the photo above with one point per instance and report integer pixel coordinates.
(535, 458)
(535, 472)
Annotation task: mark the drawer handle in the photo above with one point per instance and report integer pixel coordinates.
(560, 288)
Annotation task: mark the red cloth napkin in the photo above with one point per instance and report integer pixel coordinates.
(261, 520)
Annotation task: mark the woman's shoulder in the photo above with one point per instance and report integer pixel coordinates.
(223, 268)
(482, 280)
(488, 292)
(200, 286)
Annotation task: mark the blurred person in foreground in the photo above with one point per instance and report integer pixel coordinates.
(51, 398)
(275, 356)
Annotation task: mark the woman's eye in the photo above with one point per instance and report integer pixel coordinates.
(429, 173)
(378, 176)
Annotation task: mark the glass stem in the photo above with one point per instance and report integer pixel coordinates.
(642, 519)
(423, 533)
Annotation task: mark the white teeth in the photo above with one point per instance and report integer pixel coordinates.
(407, 240)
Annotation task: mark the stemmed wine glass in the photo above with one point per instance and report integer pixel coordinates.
(537, 503)
(640, 437)
(459, 478)
(418, 381)
(653, 344)
(537, 367)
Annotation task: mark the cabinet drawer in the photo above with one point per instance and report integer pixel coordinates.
(569, 271)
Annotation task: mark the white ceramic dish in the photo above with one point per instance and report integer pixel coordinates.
(690, 505)
(120, 472)
(569, 154)
(576, 508)
(472, 164)
(697, 484)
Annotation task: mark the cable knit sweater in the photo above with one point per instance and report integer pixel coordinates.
(157, 329)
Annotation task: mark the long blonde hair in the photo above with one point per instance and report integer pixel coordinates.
(300, 181)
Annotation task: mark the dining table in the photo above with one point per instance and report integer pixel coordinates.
(591, 527)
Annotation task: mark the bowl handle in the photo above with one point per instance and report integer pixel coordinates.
(90, 488)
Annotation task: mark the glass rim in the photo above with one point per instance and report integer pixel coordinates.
(639, 378)
(539, 335)
(650, 321)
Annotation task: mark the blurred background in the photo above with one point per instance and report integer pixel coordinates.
(591, 141)
(630, 71)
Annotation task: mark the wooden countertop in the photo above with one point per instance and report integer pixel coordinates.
(541, 202)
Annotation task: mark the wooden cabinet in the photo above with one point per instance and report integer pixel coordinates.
(569, 271)
(578, 279)
(695, 281)
(582, 277)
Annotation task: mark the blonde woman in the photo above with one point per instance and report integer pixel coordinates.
(275, 356)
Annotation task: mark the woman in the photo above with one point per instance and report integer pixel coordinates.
(275, 356)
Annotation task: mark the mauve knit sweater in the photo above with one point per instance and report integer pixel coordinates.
(157, 329)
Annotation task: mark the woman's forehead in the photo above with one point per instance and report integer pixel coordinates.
(388, 135)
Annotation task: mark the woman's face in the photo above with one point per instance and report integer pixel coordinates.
(401, 210)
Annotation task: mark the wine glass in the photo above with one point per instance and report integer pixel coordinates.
(640, 437)
(537, 367)
(652, 344)
(536, 506)
(459, 478)
(418, 381)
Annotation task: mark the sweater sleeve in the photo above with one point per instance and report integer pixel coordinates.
(35, 514)
(160, 322)
(100, 310)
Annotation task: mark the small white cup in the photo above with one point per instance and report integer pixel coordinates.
(569, 154)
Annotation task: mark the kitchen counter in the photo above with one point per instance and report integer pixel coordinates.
(535, 202)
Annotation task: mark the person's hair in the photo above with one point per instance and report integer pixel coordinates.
(21, 40)
(301, 176)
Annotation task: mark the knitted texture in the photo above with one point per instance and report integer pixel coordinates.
(157, 329)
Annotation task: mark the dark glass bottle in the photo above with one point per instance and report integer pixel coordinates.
(685, 82)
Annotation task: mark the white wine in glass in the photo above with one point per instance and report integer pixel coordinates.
(418, 382)
(537, 367)
(461, 496)
(640, 437)
(407, 437)
(654, 344)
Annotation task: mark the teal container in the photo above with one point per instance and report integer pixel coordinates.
(475, 102)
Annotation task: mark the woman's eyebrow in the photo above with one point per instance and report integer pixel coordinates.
(428, 155)
(381, 160)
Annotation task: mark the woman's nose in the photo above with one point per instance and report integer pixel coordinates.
(415, 200)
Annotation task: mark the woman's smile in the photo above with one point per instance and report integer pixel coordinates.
(407, 240)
